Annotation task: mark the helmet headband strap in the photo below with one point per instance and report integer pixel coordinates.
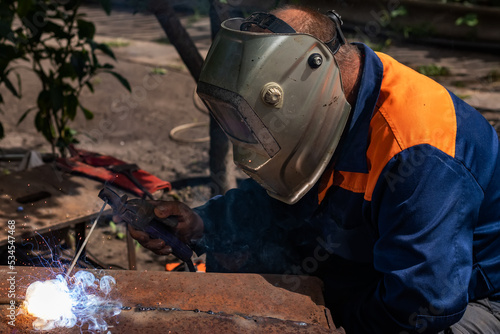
(338, 39)
(278, 26)
(267, 21)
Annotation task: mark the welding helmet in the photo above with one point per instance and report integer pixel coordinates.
(279, 98)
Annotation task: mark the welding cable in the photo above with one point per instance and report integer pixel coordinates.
(198, 103)
(201, 107)
(174, 133)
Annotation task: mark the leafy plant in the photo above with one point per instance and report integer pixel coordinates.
(54, 41)
(118, 233)
(469, 20)
(399, 11)
(158, 71)
(117, 43)
(433, 70)
(493, 76)
(162, 40)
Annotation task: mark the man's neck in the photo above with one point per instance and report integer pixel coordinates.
(351, 70)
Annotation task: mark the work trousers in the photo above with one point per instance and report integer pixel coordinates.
(481, 317)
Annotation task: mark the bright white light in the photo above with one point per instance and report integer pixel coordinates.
(49, 300)
(56, 304)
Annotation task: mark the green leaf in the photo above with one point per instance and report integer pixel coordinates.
(25, 114)
(55, 29)
(112, 225)
(68, 137)
(399, 11)
(122, 80)
(78, 61)
(90, 86)
(23, 7)
(71, 104)
(86, 29)
(57, 98)
(39, 120)
(95, 62)
(42, 124)
(8, 52)
(10, 86)
(19, 84)
(43, 100)
(67, 70)
(108, 66)
(5, 29)
(469, 19)
(105, 49)
(71, 4)
(106, 5)
(88, 114)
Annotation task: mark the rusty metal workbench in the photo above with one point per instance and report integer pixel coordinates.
(183, 302)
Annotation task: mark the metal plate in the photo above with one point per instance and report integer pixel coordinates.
(182, 302)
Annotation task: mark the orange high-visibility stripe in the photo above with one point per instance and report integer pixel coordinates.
(379, 152)
(412, 109)
(355, 182)
(325, 182)
(416, 110)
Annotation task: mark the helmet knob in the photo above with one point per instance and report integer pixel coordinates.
(272, 94)
(315, 60)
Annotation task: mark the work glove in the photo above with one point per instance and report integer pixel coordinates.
(188, 230)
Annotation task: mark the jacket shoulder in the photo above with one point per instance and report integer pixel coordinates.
(412, 110)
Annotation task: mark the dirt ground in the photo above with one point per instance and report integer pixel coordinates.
(135, 127)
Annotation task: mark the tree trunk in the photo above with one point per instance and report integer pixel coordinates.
(177, 35)
(220, 154)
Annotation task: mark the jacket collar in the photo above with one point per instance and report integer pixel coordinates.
(352, 154)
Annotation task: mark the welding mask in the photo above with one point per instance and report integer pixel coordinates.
(279, 98)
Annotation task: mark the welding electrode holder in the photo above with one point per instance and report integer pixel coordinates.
(140, 215)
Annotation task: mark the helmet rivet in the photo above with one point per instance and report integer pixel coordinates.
(315, 60)
(272, 94)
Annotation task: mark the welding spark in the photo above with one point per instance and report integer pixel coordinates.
(85, 300)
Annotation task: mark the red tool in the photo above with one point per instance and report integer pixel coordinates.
(101, 167)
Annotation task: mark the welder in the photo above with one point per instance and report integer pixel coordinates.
(363, 172)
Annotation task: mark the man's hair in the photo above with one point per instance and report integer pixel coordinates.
(313, 22)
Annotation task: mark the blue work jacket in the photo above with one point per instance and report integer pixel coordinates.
(404, 225)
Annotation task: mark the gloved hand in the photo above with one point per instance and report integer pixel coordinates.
(189, 229)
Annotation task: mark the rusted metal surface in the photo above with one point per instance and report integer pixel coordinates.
(182, 302)
(73, 200)
(185, 322)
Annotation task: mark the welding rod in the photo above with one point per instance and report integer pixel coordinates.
(86, 239)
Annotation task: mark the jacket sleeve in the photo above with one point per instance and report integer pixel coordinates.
(424, 206)
(248, 231)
